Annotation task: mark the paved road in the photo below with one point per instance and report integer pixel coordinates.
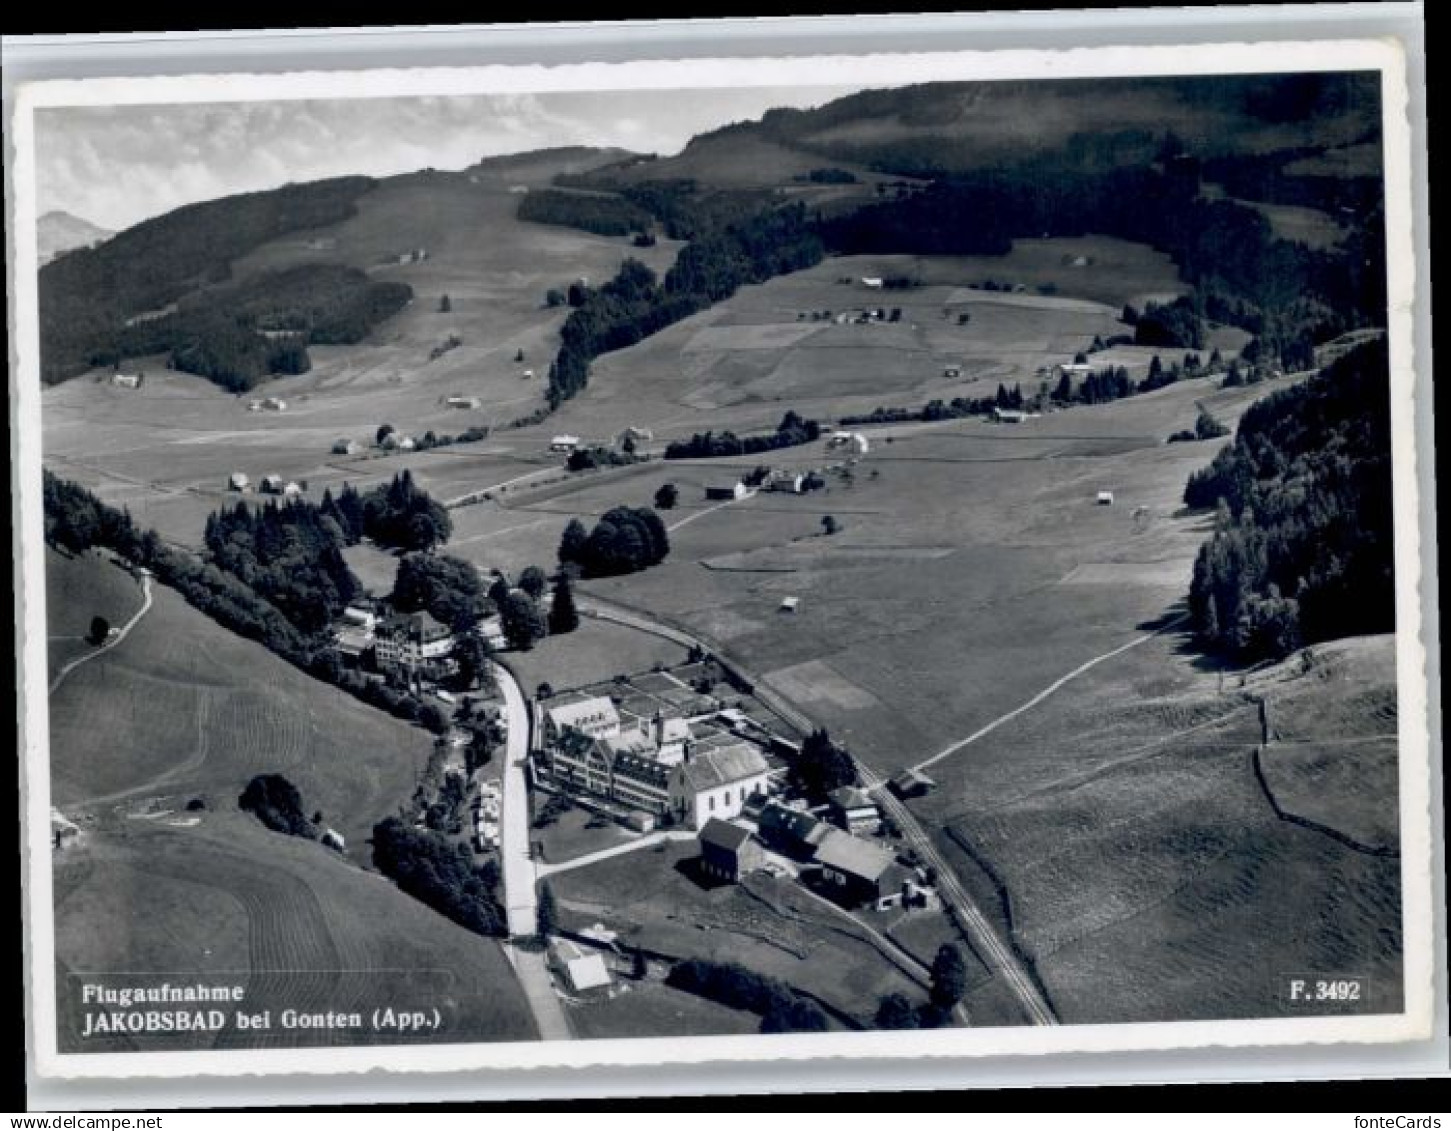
(533, 973)
(997, 954)
(113, 641)
(614, 850)
(520, 900)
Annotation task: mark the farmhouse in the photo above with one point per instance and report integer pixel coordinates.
(1076, 369)
(273, 404)
(407, 444)
(580, 972)
(292, 489)
(1009, 415)
(853, 809)
(794, 832)
(727, 851)
(790, 604)
(952, 372)
(789, 482)
(1105, 498)
(859, 871)
(564, 443)
(462, 402)
(270, 485)
(347, 448)
(852, 441)
(595, 718)
(237, 481)
(736, 490)
(872, 282)
(415, 643)
(126, 380)
(634, 435)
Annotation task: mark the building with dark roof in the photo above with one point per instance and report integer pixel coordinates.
(793, 832)
(727, 851)
(415, 643)
(859, 871)
(853, 810)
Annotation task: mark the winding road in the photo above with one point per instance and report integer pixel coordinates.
(110, 642)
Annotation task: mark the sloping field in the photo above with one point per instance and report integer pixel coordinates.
(653, 1009)
(156, 447)
(183, 708)
(77, 589)
(225, 902)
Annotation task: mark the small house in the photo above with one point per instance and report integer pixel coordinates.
(854, 811)
(462, 402)
(407, 444)
(952, 372)
(1009, 415)
(579, 971)
(347, 448)
(634, 435)
(1076, 369)
(872, 282)
(726, 491)
(789, 604)
(794, 832)
(853, 442)
(1105, 498)
(292, 489)
(333, 839)
(126, 380)
(727, 851)
(270, 485)
(911, 783)
(274, 404)
(238, 481)
(564, 443)
(859, 871)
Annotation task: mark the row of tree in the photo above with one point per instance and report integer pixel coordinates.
(793, 431)
(782, 1009)
(441, 874)
(1303, 544)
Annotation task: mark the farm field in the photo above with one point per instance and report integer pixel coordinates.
(167, 448)
(183, 708)
(77, 589)
(651, 898)
(1148, 874)
(225, 901)
(595, 650)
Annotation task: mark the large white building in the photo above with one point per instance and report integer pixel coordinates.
(594, 718)
(716, 783)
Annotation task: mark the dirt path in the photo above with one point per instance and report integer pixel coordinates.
(112, 642)
(1047, 691)
(614, 850)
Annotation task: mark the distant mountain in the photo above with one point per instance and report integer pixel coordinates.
(59, 232)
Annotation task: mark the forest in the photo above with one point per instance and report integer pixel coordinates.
(600, 213)
(434, 871)
(793, 431)
(1303, 544)
(87, 297)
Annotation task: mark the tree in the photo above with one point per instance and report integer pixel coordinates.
(100, 629)
(518, 355)
(563, 615)
(278, 805)
(547, 911)
(822, 766)
(628, 447)
(829, 525)
(554, 297)
(533, 581)
(472, 659)
(444, 305)
(522, 621)
(895, 1012)
(572, 542)
(949, 977)
(384, 431)
(667, 496)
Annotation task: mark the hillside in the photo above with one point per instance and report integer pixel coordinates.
(59, 232)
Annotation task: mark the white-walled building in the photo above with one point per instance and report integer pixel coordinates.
(594, 718)
(415, 642)
(716, 783)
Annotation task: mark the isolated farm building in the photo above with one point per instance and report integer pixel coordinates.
(854, 442)
(790, 604)
(390, 441)
(872, 282)
(1076, 369)
(126, 380)
(237, 481)
(952, 372)
(274, 404)
(463, 402)
(270, 485)
(331, 838)
(860, 871)
(291, 489)
(407, 444)
(853, 809)
(347, 448)
(527, 375)
(564, 443)
(912, 783)
(322, 243)
(794, 832)
(1105, 498)
(415, 643)
(736, 490)
(716, 783)
(579, 971)
(635, 436)
(788, 482)
(728, 851)
(594, 717)
(1009, 415)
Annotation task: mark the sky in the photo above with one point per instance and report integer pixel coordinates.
(117, 165)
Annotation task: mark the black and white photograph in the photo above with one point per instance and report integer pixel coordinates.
(671, 561)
